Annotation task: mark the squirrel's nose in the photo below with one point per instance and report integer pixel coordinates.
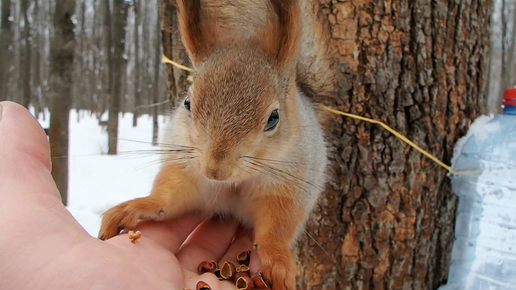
(215, 173)
(216, 162)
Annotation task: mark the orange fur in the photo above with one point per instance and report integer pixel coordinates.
(281, 34)
(197, 31)
(275, 225)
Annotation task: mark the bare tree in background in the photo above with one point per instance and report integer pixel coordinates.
(155, 86)
(24, 79)
(62, 51)
(22, 64)
(137, 70)
(502, 73)
(117, 68)
(37, 52)
(6, 50)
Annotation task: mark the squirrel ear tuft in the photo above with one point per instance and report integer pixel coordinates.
(197, 33)
(280, 39)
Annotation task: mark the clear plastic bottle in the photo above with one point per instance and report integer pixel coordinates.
(484, 251)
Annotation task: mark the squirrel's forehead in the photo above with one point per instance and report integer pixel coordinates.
(234, 90)
(241, 105)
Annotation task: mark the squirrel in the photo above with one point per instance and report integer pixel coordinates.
(246, 140)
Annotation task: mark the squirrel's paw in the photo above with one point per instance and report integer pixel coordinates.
(278, 269)
(127, 214)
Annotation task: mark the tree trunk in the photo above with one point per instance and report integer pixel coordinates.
(24, 78)
(119, 23)
(137, 82)
(155, 86)
(173, 48)
(6, 51)
(37, 50)
(108, 64)
(509, 40)
(386, 219)
(61, 70)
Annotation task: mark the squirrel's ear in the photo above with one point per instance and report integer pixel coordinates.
(280, 39)
(196, 33)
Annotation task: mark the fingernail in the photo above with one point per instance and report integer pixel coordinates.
(1, 109)
(259, 281)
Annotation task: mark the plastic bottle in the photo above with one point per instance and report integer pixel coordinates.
(484, 251)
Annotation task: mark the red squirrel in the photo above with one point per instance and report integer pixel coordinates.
(245, 141)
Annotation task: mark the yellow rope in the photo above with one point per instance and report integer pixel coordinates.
(165, 59)
(401, 137)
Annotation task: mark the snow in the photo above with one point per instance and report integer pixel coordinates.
(98, 181)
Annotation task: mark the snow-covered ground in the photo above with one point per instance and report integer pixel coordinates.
(98, 181)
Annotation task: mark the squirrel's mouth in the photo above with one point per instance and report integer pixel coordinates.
(233, 178)
(229, 182)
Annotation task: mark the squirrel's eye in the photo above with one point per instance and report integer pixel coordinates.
(187, 106)
(272, 121)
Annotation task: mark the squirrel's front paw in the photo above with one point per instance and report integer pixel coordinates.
(127, 214)
(278, 268)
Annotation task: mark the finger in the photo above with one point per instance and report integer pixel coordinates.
(208, 242)
(254, 265)
(243, 242)
(170, 234)
(192, 279)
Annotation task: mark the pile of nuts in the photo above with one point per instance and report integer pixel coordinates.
(229, 271)
(238, 274)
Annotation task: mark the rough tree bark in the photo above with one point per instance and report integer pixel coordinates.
(6, 51)
(386, 219)
(60, 91)
(421, 67)
(117, 69)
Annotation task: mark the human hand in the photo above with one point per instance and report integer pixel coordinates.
(43, 247)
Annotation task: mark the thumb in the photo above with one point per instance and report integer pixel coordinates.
(36, 229)
(22, 132)
(29, 197)
(24, 150)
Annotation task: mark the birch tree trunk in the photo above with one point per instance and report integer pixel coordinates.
(386, 219)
